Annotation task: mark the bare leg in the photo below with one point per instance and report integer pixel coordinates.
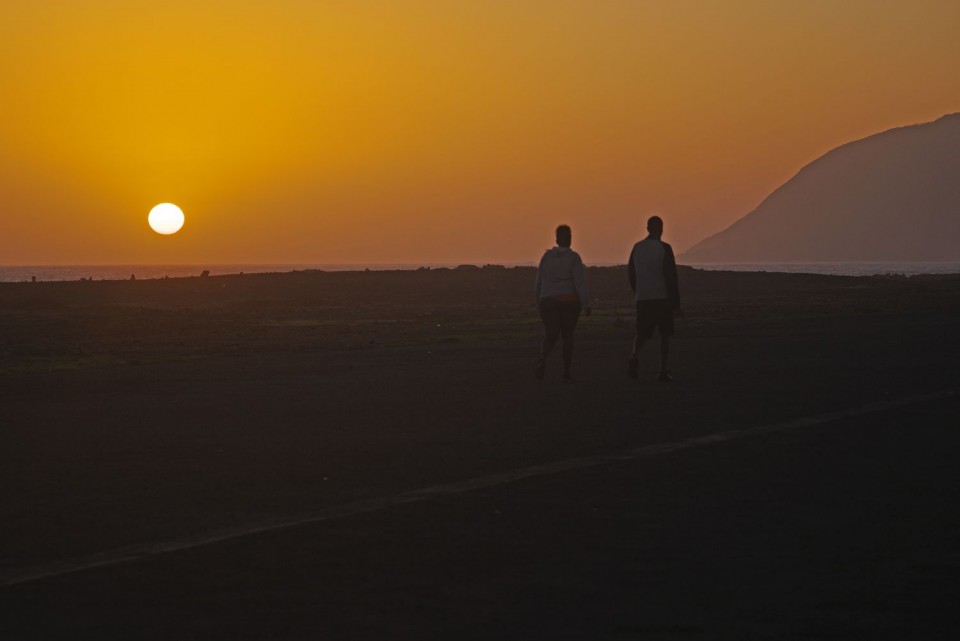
(664, 351)
(633, 365)
(567, 326)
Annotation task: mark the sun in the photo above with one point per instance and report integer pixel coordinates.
(165, 218)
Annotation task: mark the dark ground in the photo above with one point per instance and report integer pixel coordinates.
(144, 412)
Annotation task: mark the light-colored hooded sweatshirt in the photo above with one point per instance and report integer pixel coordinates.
(561, 274)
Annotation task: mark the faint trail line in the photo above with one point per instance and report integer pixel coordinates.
(117, 556)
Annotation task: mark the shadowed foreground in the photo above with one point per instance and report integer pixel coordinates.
(140, 413)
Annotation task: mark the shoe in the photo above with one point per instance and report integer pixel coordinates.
(567, 378)
(633, 368)
(665, 377)
(541, 368)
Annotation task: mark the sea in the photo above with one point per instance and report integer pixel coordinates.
(41, 273)
(20, 273)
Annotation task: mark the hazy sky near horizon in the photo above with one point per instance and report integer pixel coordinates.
(304, 131)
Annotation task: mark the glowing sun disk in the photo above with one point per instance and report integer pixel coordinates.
(166, 218)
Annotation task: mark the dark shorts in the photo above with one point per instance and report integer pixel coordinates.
(654, 314)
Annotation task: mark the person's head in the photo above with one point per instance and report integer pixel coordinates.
(564, 236)
(655, 226)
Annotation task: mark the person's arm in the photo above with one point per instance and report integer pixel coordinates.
(670, 275)
(580, 282)
(632, 273)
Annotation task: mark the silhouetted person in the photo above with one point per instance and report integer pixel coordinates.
(561, 294)
(653, 278)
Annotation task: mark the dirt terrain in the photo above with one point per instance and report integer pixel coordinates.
(368, 456)
(73, 325)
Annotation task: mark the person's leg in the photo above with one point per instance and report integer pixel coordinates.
(551, 332)
(568, 323)
(633, 365)
(645, 326)
(665, 329)
(551, 329)
(664, 352)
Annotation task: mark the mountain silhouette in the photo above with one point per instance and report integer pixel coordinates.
(894, 196)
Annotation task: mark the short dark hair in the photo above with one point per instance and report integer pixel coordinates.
(655, 223)
(564, 235)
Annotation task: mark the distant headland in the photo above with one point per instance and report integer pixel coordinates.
(894, 196)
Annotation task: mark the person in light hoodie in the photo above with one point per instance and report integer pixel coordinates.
(562, 293)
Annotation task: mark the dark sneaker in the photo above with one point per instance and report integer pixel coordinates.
(541, 368)
(633, 368)
(665, 377)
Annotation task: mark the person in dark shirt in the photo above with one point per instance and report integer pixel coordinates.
(653, 279)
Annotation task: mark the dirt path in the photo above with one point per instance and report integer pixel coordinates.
(838, 530)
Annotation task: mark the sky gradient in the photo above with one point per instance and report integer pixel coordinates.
(304, 131)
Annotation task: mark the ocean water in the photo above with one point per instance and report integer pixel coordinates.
(841, 269)
(21, 273)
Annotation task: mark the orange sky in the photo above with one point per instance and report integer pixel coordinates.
(348, 131)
